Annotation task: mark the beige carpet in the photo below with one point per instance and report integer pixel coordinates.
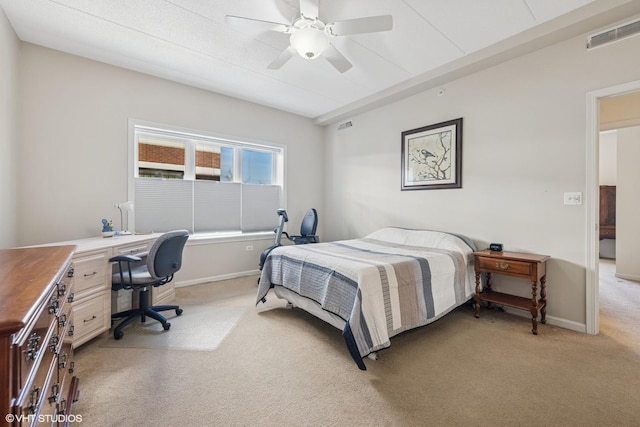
(200, 327)
(283, 367)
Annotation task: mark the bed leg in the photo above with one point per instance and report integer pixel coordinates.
(373, 356)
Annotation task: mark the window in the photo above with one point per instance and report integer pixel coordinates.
(204, 183)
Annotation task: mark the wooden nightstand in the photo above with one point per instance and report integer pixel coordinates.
(514, 264)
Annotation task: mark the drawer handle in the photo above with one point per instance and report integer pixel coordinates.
(89, 320)
(53, 305)
(70, 272)
(62, 361)
(62, 321)
(71, 330)
(90, 274)
(62, 288)
(33, 400)
(31, 352)
(502, 265)
(54, 343)
(55, 392)
(71, 295)
(62, 407)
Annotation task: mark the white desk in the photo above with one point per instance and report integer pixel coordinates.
(92, 281)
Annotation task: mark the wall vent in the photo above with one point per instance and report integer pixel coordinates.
(614, 34)
(345, 125)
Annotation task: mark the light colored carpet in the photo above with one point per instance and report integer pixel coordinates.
(286, 368)
(198, 328)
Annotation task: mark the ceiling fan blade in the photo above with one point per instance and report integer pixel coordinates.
(256, 24)
(309, 8)
(371, 24)
(336, 59)
(284, 56)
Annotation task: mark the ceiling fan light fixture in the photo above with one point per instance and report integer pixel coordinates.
(309, 42)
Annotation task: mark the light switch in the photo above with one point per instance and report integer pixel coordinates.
(574, 198)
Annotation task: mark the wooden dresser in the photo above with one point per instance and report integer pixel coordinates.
(37, 381)
(607, 212)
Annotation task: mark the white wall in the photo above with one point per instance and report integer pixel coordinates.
(73, 149)
(9, 49)
(524, 145)
(608, 162)
(628, 204)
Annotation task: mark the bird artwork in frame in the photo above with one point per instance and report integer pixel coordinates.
(432, 156)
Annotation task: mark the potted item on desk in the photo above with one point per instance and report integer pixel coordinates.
(107, 228)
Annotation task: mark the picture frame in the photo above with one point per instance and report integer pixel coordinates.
(432, 156)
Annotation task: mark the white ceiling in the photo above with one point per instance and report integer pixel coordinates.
(188, 41)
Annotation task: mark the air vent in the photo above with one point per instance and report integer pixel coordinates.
(614, 34)
(345, 125)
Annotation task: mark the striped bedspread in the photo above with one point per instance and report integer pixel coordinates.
(390, 281)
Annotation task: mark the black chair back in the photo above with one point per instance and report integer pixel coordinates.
(167, 258)
(309, 223)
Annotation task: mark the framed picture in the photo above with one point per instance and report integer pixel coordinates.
(432, 156)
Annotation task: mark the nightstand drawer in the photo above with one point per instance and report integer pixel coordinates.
(504, 265)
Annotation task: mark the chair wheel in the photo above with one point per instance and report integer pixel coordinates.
(178, 311)
(118, 334)
(166, 326)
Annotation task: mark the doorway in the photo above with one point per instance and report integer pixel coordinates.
(592, 197)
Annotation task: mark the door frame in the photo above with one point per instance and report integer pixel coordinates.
(592, 198)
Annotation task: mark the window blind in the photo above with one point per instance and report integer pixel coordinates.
(259, 206)
(205, 206)
(163, 205)
(217, 206)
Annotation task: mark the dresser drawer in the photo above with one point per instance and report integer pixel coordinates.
(91, 318)
(66, 363)
(90, 272)
(607, 231)
(504, 265)
(33, 348)
(34, 395)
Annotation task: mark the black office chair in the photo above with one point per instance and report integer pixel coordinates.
(307, 229)
(163, 260)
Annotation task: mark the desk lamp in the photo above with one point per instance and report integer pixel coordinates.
(128, 206)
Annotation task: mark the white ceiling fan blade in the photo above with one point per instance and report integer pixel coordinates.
(284, 56)
(371, 24)
(256, 24)
(336, 59)
(309, 8)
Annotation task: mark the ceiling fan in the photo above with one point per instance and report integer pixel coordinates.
(310, 37)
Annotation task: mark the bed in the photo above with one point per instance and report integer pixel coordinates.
(375, 287)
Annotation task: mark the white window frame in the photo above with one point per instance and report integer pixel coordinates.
(278, 168)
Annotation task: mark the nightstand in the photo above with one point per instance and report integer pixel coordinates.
(513, 264)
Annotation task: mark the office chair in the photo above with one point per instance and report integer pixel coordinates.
(307, 229)
(163, 260)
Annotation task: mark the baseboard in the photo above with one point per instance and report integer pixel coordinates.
(551, 320)
(215, 278)
(628, 277)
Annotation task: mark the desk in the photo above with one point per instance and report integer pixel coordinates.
(514, 264)
(92, 281)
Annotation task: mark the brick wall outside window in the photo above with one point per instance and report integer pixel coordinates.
(175, 156)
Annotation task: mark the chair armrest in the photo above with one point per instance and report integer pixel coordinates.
(126, 258)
